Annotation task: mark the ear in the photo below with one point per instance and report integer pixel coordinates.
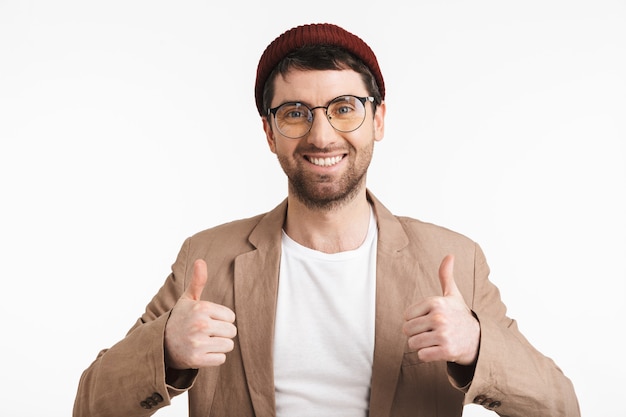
(269, 134)
(379, 122)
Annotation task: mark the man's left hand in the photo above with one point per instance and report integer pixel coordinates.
(443, 328)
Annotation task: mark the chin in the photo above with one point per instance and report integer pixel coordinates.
(326, 197)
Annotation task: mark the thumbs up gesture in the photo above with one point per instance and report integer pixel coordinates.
(443, 328)
(198, 333)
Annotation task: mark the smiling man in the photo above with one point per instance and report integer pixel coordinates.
(329, 305)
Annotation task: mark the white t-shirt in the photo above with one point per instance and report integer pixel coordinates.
(324, 335)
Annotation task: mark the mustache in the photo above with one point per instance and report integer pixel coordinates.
(309, 148)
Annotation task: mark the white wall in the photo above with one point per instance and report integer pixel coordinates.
(126, 126)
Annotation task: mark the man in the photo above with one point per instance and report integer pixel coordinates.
(328, 305)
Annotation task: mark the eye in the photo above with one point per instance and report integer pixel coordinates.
(344, 109)
(292, 112)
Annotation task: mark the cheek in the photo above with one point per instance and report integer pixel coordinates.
(283, 147)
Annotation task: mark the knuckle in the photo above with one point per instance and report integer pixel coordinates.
(216, 359)
(439, 319)
(230, 345)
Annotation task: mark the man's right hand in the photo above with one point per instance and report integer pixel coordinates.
(198, 333)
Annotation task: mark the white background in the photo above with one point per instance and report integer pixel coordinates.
(126, 126)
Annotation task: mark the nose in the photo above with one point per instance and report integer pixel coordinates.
(322, 133)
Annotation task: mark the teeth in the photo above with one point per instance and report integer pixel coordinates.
(326, 162)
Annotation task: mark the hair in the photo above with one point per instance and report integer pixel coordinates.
(320, 57)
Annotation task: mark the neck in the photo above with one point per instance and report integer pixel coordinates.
(341, 229)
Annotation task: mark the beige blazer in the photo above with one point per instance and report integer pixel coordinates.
(243, 257)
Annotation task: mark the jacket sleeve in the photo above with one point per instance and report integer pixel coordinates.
(512, 378)
(129, 379)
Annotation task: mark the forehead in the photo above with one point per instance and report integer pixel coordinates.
(316, 86)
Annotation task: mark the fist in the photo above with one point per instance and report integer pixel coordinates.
(198, 333)
(443, 328)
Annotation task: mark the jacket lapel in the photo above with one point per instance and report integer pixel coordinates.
(256, 286)
(397, 274)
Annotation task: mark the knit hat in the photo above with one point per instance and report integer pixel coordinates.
(313, 34)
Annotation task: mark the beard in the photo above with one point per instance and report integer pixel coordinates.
(327, 192)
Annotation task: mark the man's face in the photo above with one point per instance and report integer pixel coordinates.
(325, 167)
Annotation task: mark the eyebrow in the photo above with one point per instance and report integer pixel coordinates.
(311, 106)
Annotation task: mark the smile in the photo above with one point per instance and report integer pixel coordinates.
(326, 162)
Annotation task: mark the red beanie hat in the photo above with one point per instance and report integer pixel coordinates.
(313, 34)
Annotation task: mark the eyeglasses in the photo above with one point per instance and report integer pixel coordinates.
(344, 113)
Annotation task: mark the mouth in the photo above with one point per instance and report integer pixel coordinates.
(326, 161)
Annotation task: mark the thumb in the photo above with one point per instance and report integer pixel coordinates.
(446, 277)
(199, 278)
